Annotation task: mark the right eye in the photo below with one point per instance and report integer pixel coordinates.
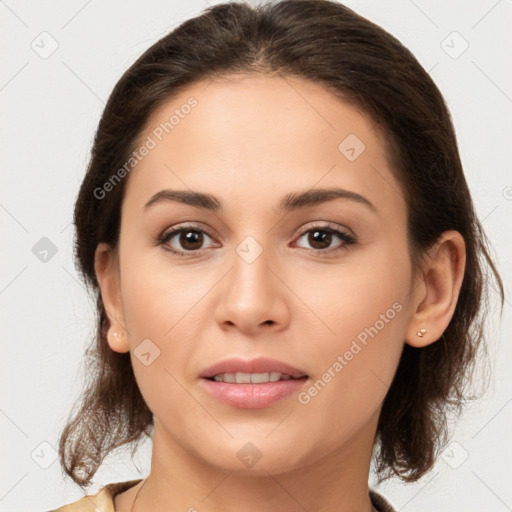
(190, 240)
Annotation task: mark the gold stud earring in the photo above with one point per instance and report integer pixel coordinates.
(421, 332)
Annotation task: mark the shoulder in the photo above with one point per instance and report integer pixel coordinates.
(103, 500)
(380, 502)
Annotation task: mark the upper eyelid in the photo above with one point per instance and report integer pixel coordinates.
(311, 225)
(178, 229)
(329, 226)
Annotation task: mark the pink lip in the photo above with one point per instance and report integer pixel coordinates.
(252, 396)
(257, 365)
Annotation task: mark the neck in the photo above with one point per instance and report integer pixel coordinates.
(179, 481)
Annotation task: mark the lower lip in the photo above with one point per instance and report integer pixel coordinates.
(253, 396)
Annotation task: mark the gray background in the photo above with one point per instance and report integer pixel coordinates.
(50, 106)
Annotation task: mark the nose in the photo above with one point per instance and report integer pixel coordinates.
(253, 298)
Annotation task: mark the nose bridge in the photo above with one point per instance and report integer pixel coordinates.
(250, 296)
(251, 277)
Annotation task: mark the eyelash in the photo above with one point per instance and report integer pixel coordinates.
(347, 239)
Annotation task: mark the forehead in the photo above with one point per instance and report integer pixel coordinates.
(259, 134)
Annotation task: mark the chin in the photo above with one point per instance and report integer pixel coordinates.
(255, 458)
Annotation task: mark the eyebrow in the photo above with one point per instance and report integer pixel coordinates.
(290, 202)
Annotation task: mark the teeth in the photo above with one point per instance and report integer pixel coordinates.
(258, 378)
(250, 378)
(244, 378)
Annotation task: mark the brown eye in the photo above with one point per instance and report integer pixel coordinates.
(319, 239)
(191, 240)
(184, 240)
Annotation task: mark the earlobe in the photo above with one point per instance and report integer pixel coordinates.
(116, 338)
(436, 299)
(107, 275)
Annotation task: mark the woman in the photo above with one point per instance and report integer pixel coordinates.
(288, 267)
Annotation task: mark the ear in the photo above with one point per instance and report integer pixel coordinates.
(107, 273)
(436, 296)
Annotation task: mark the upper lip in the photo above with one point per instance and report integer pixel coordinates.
(258, 365)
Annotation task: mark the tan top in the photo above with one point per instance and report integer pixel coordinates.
(103, 500)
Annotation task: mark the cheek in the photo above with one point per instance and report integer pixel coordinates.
(157, 295)
(160, 309)
(368, 289)
(362, 310)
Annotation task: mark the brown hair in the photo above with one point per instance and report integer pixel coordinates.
(360, 63)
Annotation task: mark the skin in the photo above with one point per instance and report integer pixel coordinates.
(251, 140)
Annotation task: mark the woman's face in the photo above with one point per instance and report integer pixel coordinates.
(261, 272)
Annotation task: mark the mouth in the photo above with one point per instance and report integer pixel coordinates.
(257, 370)
(252, 384)
(253, 378)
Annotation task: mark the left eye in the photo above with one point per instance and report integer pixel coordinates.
(321, 238)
